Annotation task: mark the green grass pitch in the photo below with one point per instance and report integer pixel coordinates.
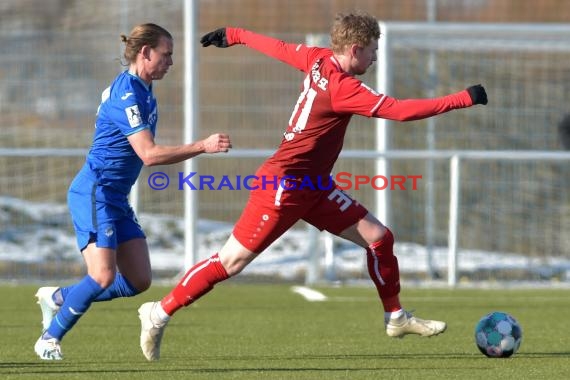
(250, 332)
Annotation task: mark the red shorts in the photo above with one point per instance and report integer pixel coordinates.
(272, 210)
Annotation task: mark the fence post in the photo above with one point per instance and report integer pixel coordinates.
(454, 195)
(312, 276)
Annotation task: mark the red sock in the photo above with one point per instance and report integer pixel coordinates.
(384, 272)
(197, 281)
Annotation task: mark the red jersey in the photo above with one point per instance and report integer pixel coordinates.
(329, 97)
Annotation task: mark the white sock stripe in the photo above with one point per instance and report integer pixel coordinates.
(377, 271)
(190, 274)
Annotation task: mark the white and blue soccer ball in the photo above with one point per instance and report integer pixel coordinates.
(498, 335)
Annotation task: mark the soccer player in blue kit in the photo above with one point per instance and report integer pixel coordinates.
(109, 237)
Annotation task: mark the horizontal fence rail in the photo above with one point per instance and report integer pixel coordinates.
(510, 155)
(455, 158)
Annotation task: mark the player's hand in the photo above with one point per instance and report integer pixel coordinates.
(477, 94)
(216, 143)
(217, 38)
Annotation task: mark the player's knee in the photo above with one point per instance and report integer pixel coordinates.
(235, 260)
(384, 245)
(234, 268)
(388, 238)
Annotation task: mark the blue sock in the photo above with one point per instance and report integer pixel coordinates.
(74, 306)
(121, 287)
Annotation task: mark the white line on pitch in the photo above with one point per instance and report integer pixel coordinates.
(309, 294)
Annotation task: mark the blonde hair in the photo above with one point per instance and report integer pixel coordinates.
(358, 28)
(141, 35)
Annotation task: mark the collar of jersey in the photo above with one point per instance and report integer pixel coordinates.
(146, 86)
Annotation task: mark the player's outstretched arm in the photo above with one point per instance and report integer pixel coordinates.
(154, 154)
(297, 55)
(416, 109)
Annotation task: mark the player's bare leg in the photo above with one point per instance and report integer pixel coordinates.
(197, 281)
(383, 269)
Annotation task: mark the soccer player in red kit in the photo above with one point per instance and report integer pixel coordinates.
(312, 142)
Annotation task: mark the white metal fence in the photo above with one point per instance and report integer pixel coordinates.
(544, 255)
(512, 196)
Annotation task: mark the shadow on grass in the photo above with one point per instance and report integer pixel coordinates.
(231, 363)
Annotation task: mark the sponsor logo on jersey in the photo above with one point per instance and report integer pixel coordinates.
(126, 96)
(134, 116)
(153, 116)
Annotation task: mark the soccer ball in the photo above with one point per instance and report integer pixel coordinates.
(498, 335)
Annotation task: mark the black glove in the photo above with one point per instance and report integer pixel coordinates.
(477, 94)
(216, 38)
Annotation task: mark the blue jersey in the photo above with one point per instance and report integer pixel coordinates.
(127, 106)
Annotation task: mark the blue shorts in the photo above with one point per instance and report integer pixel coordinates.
(100, 215)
